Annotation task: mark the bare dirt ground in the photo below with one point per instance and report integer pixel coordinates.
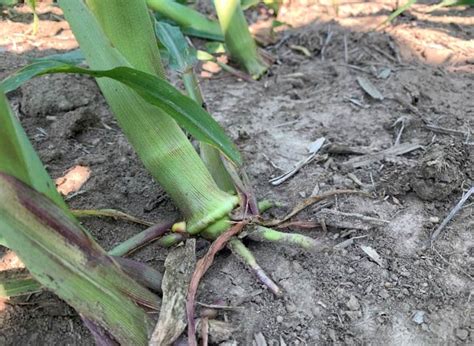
(415, 294)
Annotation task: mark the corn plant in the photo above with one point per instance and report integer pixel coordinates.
(410, 3)
(58, 252)
(239, 42)
(113, 295)
(232, 28)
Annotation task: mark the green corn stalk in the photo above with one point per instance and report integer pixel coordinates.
(32, 5)
(239, 42)
(182, 59)
(192, 22)
(398, 12)
(163, 147)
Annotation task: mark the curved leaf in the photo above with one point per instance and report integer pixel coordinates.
(152, 89)
(181, 55)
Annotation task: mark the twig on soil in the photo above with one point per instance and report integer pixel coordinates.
(314, 149)
(452, 213)
(396, 150)
(285, 38)
(309, 202)
(273, 164)
(112, 213)
(385, 54)
(354, 67)
(216, 306)
(451, 264)
(300, 224)
(346, 53)
(348, 242)
(356, 102)
(447, 131)
(338, 219)
(239, 74)
(400, 121)
(326, 42)
(201, 267)
(341, 149)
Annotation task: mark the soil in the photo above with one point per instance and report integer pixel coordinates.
(414, 294)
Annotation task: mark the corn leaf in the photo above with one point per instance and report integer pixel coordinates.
(8, 2)
(248, 3)
(152, 89)
(189, 20)
(17, 282)
(182, 56)
(448, 3)
(72, 265)
(74, 57)
(398, 11)
(32, 5)
(18, 158)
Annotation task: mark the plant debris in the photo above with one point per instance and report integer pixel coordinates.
(370, 89)
(172, 321)
(374, 256)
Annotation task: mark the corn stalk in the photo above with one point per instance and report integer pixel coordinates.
(238, 40)
(118, 33)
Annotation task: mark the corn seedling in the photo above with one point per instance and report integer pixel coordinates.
(112, 294)
(232, 28)
(191, 22)
(238, 40)
(410, 3)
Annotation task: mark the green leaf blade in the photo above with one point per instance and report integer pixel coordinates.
(155, 90)
(61, 257)
(182, 55)
(17, 282)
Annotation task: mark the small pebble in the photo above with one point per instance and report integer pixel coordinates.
(405, 274)
(462, 334)
(290, 307)
(418, 316)
(353, 303)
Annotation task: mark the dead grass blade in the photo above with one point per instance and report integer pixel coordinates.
(172, 321)
(201, 267)
(309, 202)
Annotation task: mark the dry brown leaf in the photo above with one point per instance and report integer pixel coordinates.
(172, 321)
(10, 261)
(73, 180)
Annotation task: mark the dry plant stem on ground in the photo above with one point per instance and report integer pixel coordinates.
(201, 267)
